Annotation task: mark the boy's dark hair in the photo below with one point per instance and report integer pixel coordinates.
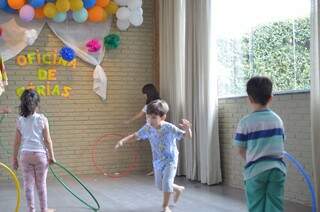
(29, 102)
(158, 107)
(151, 91)
(259, 89)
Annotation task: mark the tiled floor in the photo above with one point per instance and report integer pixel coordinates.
(137, 193)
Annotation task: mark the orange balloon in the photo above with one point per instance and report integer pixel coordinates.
(16, 4)
(38, 13)
(102, 3)
(96, 14)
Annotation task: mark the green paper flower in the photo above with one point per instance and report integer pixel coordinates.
(112, 41)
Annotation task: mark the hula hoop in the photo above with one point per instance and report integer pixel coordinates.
(306, 176)
(17, 184)
(73, 193)
(131, 167)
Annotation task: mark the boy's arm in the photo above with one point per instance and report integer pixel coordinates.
(129, 139)
(242, 152)
(186, 126)
(16, 146)
(241, 139)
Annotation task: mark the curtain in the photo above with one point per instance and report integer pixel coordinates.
(315, 94)
(13, 41)
(171, 51)
(75, 36)
(188, 83)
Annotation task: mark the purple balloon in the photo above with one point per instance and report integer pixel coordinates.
(26, 13)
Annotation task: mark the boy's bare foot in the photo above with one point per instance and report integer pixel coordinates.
(150, 173)
(51, 210)
(177, 194)
(166, 209)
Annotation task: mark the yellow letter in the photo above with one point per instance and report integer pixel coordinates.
(42, 74)
(19, 91)
(66, 91)
(62, 61)
(52, 74)
(21, 60)
(56, 90)
(73, 63)
(41, 90)
(31, 57)
(46, 58)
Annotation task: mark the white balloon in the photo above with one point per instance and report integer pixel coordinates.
(134, 4)
(140, 11)
(122, 2)
(136, 19)
(123, 13)
(123, 24)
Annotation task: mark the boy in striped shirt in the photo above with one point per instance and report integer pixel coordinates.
(260, 141)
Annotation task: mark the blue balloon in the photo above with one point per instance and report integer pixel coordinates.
(89, 3)
(60, 17)
(67, 54)
(3, 4)
(36, 3)
(80, 16)
(10, 10)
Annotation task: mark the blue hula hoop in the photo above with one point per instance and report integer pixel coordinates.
(306, 176)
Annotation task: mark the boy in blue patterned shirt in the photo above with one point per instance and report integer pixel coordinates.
(162, 136)
(260, 141)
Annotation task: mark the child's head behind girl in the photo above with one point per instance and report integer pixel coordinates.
(151, 93)
(29, 102)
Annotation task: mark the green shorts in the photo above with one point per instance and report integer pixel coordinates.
(265, 191)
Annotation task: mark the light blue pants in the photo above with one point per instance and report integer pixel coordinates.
(164, 178)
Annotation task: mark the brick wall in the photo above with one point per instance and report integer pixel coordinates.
(294, 109)
(77, 122)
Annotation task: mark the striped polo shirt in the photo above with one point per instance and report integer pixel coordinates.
(261, 133)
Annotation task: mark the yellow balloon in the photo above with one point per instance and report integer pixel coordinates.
(112, 8)
(105, 15)
(63, 5)
(50, 10)
(76, 5)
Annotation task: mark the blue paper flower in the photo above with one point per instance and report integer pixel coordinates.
(67, 54)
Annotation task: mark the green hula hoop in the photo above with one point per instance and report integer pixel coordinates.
(78, 180)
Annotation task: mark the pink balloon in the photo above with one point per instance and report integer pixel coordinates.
(26, 13)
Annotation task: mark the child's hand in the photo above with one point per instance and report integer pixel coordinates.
(15, 164)
(119, 144)
(185, 124)
(51, 160)
(6, 110)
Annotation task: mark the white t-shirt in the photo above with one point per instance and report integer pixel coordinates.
(31, 129)
(144, 109)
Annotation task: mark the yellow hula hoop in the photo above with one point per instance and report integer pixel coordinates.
(16, 182)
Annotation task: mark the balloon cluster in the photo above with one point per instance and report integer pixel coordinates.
(130, 12)
(59, 10)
